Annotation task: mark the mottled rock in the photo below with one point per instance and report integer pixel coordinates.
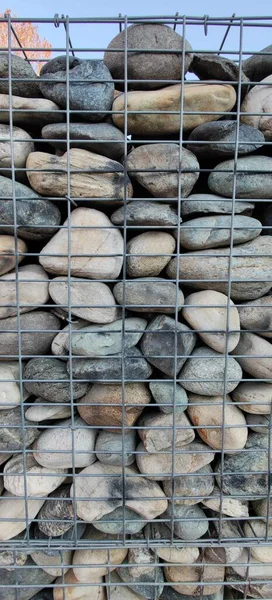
(56, 516)
(48, 378)
(253, 178)
(231, 506)
(54, 565)
(189, 459)
(16, 470)
(220, 139)
(102, 138)
(204, 372)
(168, 395)
(131, 365)
(191, 489)
(22, 145)
(254, 397)
(90, 300)
(69, 584)
(215, 231)
(258, 423)
(41, 410)
(121, 520)
(148, 293)
(257, 315)
(261, 509)
(115, 448)
(11, 394)
(139, 576)
(156, 431)
(228, 531)
(158, 531)
(9, 558)
(29, 111)
(189, 522)
(33, 290)
(145, 213)
(75, 532)
(40, 328)
(215, 66)
(117, 587)
(259, 100)
(13, 436)
(258, 66)
(91, 563)
(104, 340)
(27, 82)
(8, 251)
(254, 354)
(207, 579)
(148, 253)
(14, 508)
(198, 204)
(21, 579)
(61, 340)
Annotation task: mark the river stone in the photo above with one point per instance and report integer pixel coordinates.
(253, 568)
(113, 523)
(17, 469)
(117, 587)
(258, 423)
(36, 217)
(61, 340)
(254, 354)
(21, 578)
(149, 294)
(214, 66)
(142, 250)
(210, 414)
(8, 252)
(101, 177)
(32, 283)
(90, 300)
(56, 516)
(208, 578)
(140, 577)
(20, 150)
(97, 561)
(168, 396)
(115, 448)
(215, 231)
(28, 84)
(159, 158)
(111, 406)
(156, 431)
(14, 435)
(41, 410)
(130, 365)
(259, 100)
(197, 204)
(102, 138)
(41, 111)
(254, 397)
(206, 312)
(40, 326)
(231, 506)
(188, 459)
(105, 484)
(89, 94)
(145, 213)
(77, 591)
(143, 65)
(159, 340)
(104, 340)
(50, 450)
(159, 532)
(9, 558)
(54, 565)
(220, 138)
(10, 389)
(260, 507)
(40, 375)
(198, 99)
(253, 179)
(204, 372)
(14, 508)
(256, 531)
(92, 254)
(257, 315)
(210, 269)
(227, 531)
(190, 489)
(259, 65)
(189, 522)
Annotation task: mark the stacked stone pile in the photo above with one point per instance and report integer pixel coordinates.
(135, 325)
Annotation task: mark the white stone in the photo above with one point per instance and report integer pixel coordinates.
(33, 290)
(39, 480)
(13, 514)
(41, 410)
(10, 392)
(21, 150)
(254, 397)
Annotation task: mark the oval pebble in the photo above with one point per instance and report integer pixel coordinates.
(204, 373)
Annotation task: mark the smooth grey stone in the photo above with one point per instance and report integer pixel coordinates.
(13, 436)
(36, 217)
(204, 373)
(71, 535)
(34, 576)
(104, 340)
(253, 178)
(214, 66)
(91, 133)
(109, 447)
(113, 522)
(152, 294)
(198, 204)
(220, 138)
(258, 66)
(145, 213)
(87, 95)
(258, 423)
(163, 394)
(39, 375)
(193, 524)
(139, 578)
(59, 508)
(20, 69)
(110, 367)
(215, 231)
(158, 342)
(41, 328)
(191, 489)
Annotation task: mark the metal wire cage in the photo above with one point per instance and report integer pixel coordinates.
(135, 464)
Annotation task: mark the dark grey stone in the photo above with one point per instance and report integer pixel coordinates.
(192, 488)
(258, 423)
(212, 66)
(39, 375)
(44, 324)
(113, 522)
(20, 69)
(37, 218)
(87, 95)
(253, 179)
(13, 436)
(145, 213)
(59, 508)
(198, 204)
(258, 66)
(45, 594)
(110, 446)
(190, 522)
(110, 367)
(266, 218)
(139, 580)
(91, 133)
(152, 294)
(23, 577)
(219, 138)
(71, 535)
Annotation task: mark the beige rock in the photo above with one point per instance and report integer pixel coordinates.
(13, 514)
(92, 249)
(211, 411)
(187, 460)
(256, 530)
(212, 98)
(21, 106)
(259, 100)
(256, 355)
(178, 554)
(56, 565)
(33, 290)
(257, 315)
(8, 251)
(103, 405)
(71, 589)
(207, 311)
(107, 182)
(254, 397)
(202, 576)
(157, 432)
(41, 410)
(39, 480)
(149, 244)
(22, 145)
(233, 507)
(61, 340)
(92, 558)
(90, 300)
(10, 392)
(253, 569)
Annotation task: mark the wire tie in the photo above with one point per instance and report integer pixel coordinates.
(56, 20)
(71, 200)
(206, 17)
(120, 24)
(175, 24)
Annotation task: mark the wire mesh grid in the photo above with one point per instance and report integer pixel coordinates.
(135, 314)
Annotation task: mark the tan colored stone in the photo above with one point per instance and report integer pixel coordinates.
(8, 252)
(22, 145)
(177, 555)
(41, 410)
(93, 249)
(74, 590)
(257, 315)
(254, 397)
(157, 432)
(13, 514)
(259, 100)
(212, 98)
(158, 467)
(90, 300)
(33, 290)
(256, 355)
(207, 311)
(202, 576)
(40, 481)
(92, 558)
(42, 111)
(256, 530)
(234, 507)
(56, 564)
(149, 244)
(96, 412)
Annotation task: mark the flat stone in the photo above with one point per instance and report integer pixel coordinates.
(231, 506)
(145, 213)
(33, 576)
(117, 587)
(36, 217)
(112, 368)
(41, 410)
(188, 459)
(92, 248)
(29, 111)
(140, 577)
(257, 315)
(191, 489)
(101, 177)
(16, 470)
(198, 204)
(254, 354)
(115, 448)
(143, 65)
(40, 326)
(189, 522)
(159, 532)
(61, 340)
(39, 375)
(58, 508)
(210, 270)
(214, 66)
(13, 436)
(159, 341)
(142, 250)
(258, 66)
(156, 431)
(102, 138)
(256, 531)
(76, 590)
(111, 406)
(113, 523)
(8, 252)
(253, 178)
(22, 70)
(54, 565)
(206, 312)
(220, 139)
(158, 158)
(11, 394)
(198, 98)
(208, 579)
(32, 282)
(259, 100)
(14, 508)
(258, 423)
(91, 563)
(149, 294)
(168, 396)
(89, 94)
(90, 300)
(20, 149)
(254, 397)
(215, 231)
(204, 373)
(210, 414)
(104, 340)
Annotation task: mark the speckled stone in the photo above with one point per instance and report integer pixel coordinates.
(163, 394)
(22, 70)
(257, 315)
(191, 489)
(113, 144)
(258, 423)
(139, 577)
(255, 184)
(201, 204)
(154, 294)
(34, 576)
(115, 448)
(39, 375)
(12, 436)
(145, 213)
(215, 231)
(190, 522)
(112, 368)
(203, 372)
(33, 342)
(113, 523)
(58, 508)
